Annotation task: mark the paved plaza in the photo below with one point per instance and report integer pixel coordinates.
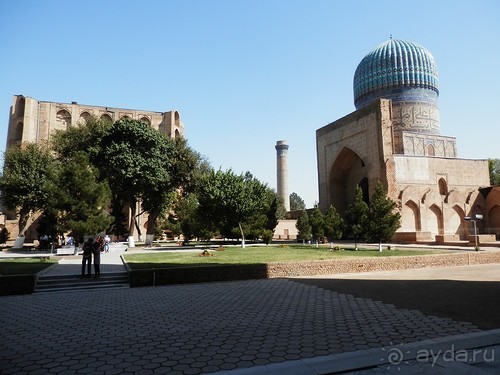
(241, 327)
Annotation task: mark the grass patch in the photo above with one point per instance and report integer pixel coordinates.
(24, 266)
(254, 255)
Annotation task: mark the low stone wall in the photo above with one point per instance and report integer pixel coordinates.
(353, 265)
(181, 275)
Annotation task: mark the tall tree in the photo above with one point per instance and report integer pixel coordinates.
(230, 200)
(317, 221)
(333, 224)
(137, 159)
(383, 217)
(181, 164)
(494, 166)
(80, 198)
(303, 227)
(357, 217)
(26, 183)
(85, 137)
(296, 202)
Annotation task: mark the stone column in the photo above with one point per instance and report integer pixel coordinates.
(282, 171)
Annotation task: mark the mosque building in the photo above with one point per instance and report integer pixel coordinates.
(394, 137)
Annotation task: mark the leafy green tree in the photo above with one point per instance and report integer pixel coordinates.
(333, 224)
(119, 225)
(229, 200)
(303, 227)
(85, 137)
(181, 164)
(187, 220)
(383, 218)
(494, 166)
(357, 217)
(26, 183)
(296, 202)
(137, 161)
(80, 198)
(317, 221)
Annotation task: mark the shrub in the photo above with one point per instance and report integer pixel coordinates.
(4, 235)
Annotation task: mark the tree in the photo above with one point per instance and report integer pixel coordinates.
(85, 137)
(303, 227)
(181, 163)
(357, 216)
(494, 166)
(229, 200)
(383, 218)
(136, 159)
(317, 222)
(26, 183)
(296, 202)
(81, 199)
(333, 224)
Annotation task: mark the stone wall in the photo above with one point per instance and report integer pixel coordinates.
(180, 275)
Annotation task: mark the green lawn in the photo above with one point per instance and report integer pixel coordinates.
(254, 255)
(24, 266)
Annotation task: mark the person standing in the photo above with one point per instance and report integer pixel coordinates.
(96, 251)
(87, 257)
(107, 240)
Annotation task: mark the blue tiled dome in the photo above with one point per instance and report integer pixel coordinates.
(392, 66)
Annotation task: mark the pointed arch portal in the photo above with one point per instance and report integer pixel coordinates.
(347, 171)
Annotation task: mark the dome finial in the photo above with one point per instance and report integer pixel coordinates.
(390, 36)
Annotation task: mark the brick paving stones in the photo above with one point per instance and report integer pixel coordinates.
(199, 328)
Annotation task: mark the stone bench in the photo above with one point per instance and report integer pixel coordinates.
(66, 250)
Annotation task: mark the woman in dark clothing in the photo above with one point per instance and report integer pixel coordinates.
(87, 257)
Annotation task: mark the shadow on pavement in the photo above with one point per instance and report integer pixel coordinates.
(476, 302)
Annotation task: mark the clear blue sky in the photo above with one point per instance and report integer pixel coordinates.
(245, 74)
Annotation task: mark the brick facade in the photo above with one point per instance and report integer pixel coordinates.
(434, 192)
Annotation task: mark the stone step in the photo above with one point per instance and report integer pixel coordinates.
(75, 282)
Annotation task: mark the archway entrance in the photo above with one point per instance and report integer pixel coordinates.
(347, 172)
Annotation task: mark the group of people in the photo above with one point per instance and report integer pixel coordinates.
(92, 249)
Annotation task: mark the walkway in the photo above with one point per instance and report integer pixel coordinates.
(242, 327)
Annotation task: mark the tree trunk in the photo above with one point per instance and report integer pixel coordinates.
(131, 226)
(22, 226)
(242, 235)
(150, 231)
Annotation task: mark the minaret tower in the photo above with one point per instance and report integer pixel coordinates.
(282, 171)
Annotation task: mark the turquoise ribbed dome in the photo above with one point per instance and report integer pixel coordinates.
(392, 66)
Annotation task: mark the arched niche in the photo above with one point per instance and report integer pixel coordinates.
(456, 222)
(435, 220)
(347, 171)
(107, 118)
(145, 120)
(63, 119)
(494, 221)
(443, 187)
(84, 116)
(410, 218)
